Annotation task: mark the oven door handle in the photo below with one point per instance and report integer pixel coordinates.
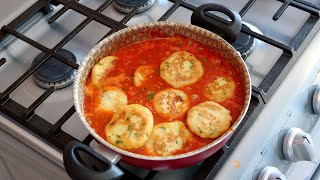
(228, 30)
(82, 162)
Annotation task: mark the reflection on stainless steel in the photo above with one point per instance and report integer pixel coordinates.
(152, 14)
(245, 43)
(298, 146)
(287, 108)
(316, 100)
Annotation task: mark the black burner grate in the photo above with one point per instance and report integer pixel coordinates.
(58, 138)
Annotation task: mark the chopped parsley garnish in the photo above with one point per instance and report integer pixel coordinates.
(119, 142)
(192, 64)
(199, 130)
(150, 95)
(163, 128)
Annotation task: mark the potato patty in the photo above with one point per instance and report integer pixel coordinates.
(112, 98)
(220, 89)
(130, 126)
(171, 103)
(209, 120)
(102, 67)
(168, 137)
(142, 73)
(181, 69)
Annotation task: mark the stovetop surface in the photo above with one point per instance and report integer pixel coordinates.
(20, 54)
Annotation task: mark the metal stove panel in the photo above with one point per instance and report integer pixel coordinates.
(181, 12)
(86, 39)
(112, 13)
(153, 14)
(284, 29)
(286, 108)
(56, 105)
(261, 60)
(21, 55)
(13, 9)
(50, 34)
(74, 128)
(93, 4)
(26, 93)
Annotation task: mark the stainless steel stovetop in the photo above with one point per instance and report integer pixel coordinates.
(285, 104)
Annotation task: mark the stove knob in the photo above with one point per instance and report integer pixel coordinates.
(271, 173)
(316, 101)
(298, 146)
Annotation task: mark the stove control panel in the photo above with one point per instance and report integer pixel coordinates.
(298, 146)
(271, 173)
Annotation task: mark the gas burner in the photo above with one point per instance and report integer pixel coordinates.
(245, 43)
(126, 6)
(54, 72)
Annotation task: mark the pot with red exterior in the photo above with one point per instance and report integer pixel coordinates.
(142, 32)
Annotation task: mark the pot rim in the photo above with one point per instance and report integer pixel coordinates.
(77, 90)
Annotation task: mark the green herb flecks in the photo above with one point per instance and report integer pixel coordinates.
(167, 64)
(150, 95)
(200, 130)
(163, 128)
(192, 64)
(119, 141)
(130, 129)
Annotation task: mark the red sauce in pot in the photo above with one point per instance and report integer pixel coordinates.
(153, 52)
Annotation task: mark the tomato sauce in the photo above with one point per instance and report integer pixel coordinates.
(153, 52)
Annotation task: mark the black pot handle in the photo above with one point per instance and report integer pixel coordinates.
(229, 30)
(82, 163)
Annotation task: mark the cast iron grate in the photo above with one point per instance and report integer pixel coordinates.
(58, 138)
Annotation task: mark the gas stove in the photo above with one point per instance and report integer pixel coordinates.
(279, 41)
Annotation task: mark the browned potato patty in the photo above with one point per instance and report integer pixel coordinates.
(220, 89)
(141, 74)
(167, 138)
(112, 98)
(181, 69)
(171, 103)
(130, 126)
(209, 120)
(102, 67)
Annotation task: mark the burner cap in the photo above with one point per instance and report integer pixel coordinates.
(126, 6)
(54, 72)
(244, 43)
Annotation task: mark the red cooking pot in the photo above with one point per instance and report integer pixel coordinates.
(227, 29)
